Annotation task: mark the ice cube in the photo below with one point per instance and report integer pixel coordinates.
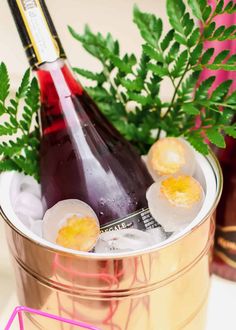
(24, 183)
(28, 204)
(25, 219)
(124, 240)
(158, 235)
(37, 227)
(30, 185)
(34, 225)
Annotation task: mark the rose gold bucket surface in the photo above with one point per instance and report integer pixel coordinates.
(163, 288)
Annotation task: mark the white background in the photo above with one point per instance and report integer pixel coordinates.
(102, 15)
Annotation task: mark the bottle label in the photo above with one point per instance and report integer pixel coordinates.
(225, 244)
(44, 44)
(141, 220)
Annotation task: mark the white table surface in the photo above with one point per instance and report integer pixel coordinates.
(222, 305)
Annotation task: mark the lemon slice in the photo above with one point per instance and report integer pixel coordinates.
(79, 233)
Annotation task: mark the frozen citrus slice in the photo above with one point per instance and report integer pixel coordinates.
(170, 156)
(175, 201)
(79, 233)
(182, 191)
(71, 223)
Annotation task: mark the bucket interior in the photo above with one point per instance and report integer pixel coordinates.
(208, 174)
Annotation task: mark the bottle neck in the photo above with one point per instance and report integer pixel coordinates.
(57, 75)
(37, 32)
(57, 87)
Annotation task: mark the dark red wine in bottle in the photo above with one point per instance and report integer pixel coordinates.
(224, 262)
(82, 155)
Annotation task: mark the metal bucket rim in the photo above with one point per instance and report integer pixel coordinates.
(215, 166)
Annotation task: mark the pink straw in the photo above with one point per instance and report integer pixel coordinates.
(18, 312)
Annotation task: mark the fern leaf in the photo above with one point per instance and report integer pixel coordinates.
(207, 55)
(206, 13)
(193, 39)
(4, 82)
(98, 77)
(133, 85)
(219, 7)
(180, 64)
(196, 54)
(230, 131)
(197, 141)
(7, 129)
(208, 31)
(218, 33)
(221, 56)
(221, 91)
(149, 25)
(22, 90)
(202, 91)
(216, 137)
(186, 89)
(152, 53)
(173, 52)
(196, 8)
(190, 109)
(231, 100)
(157, 69)
(8, 165)
(167, 39)
(176, 11)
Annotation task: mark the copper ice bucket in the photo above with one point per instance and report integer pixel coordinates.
(160, 288)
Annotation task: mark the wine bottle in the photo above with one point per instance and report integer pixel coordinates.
(224, 262)
(82, 155)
